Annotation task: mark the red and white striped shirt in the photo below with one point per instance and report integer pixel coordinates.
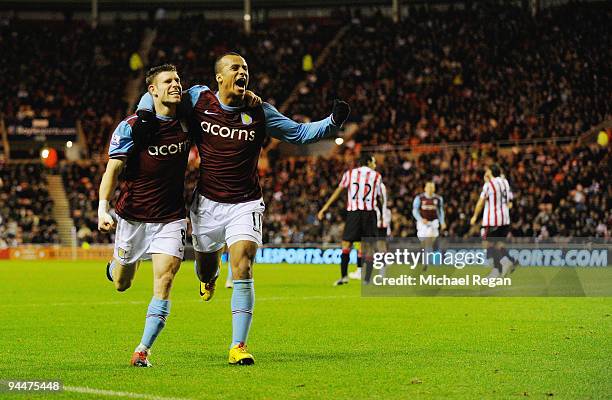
(497, 194)
(363, 187)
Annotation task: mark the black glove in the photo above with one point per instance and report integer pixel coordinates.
(184, 108)
(145, 127)
(340, 112)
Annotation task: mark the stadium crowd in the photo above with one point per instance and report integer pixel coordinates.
(559, 191)
(464, 76)
(275, 51)
(571, 197)
(80, 72)
(25, 206)
(70, 71)
(82, 181)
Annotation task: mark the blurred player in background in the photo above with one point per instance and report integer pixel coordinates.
(229, 207)
(150, 208)
(428, 211)
(383, 225)
(496, 197)
(363, 186)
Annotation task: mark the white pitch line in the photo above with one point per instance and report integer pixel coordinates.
(129, 395)
(137, 302)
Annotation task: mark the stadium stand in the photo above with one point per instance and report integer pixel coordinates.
(274, 50)
(25, 206)
(435, 78)
(464, 76)
(69, 71)
(82, 181)
(571, 197)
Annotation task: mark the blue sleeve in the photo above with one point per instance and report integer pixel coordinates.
(194, 93)
(441, 210)
(146, 101)
(416, 208)
(280, 127)
(121, 141)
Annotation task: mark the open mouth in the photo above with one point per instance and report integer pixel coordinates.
(241, 83)
(174, 93)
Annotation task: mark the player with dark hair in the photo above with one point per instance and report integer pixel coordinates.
(152, 153)
(496, 198)
(228, 208)
(383, 230)
(363, 186)
(150, 208)
(428, 211)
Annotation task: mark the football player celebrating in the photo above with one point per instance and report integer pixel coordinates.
(228, 208)
(150, 208)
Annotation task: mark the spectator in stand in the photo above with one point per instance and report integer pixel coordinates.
(25, 206)
(82, 181)
(66, 71)
(480, 75)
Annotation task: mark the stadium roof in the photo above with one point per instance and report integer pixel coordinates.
(45, 5)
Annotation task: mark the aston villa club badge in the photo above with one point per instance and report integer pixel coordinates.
(246, 118)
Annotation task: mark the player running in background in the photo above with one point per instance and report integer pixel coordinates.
(428, 211)
(496, 197)
(228, 208)
(363, 186)
(150, 208)
(383, 230)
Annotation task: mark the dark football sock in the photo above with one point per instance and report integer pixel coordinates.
(368, 269)
(344, 262)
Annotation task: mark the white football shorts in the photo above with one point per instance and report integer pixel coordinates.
(428, 230)
(139, 240)
(214, 224)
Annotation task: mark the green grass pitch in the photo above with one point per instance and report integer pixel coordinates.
(63, 320)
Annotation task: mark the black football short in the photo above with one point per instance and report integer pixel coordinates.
(382, 233)
(360, 224)
(487, 232)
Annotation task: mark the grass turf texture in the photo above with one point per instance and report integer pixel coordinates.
(63, 320)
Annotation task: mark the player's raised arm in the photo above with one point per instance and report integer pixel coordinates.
(192, 94)
(146, 124)
(280, 127)
(190, 98)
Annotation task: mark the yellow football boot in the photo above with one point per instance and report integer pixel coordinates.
(207, 290)
(239, 355)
